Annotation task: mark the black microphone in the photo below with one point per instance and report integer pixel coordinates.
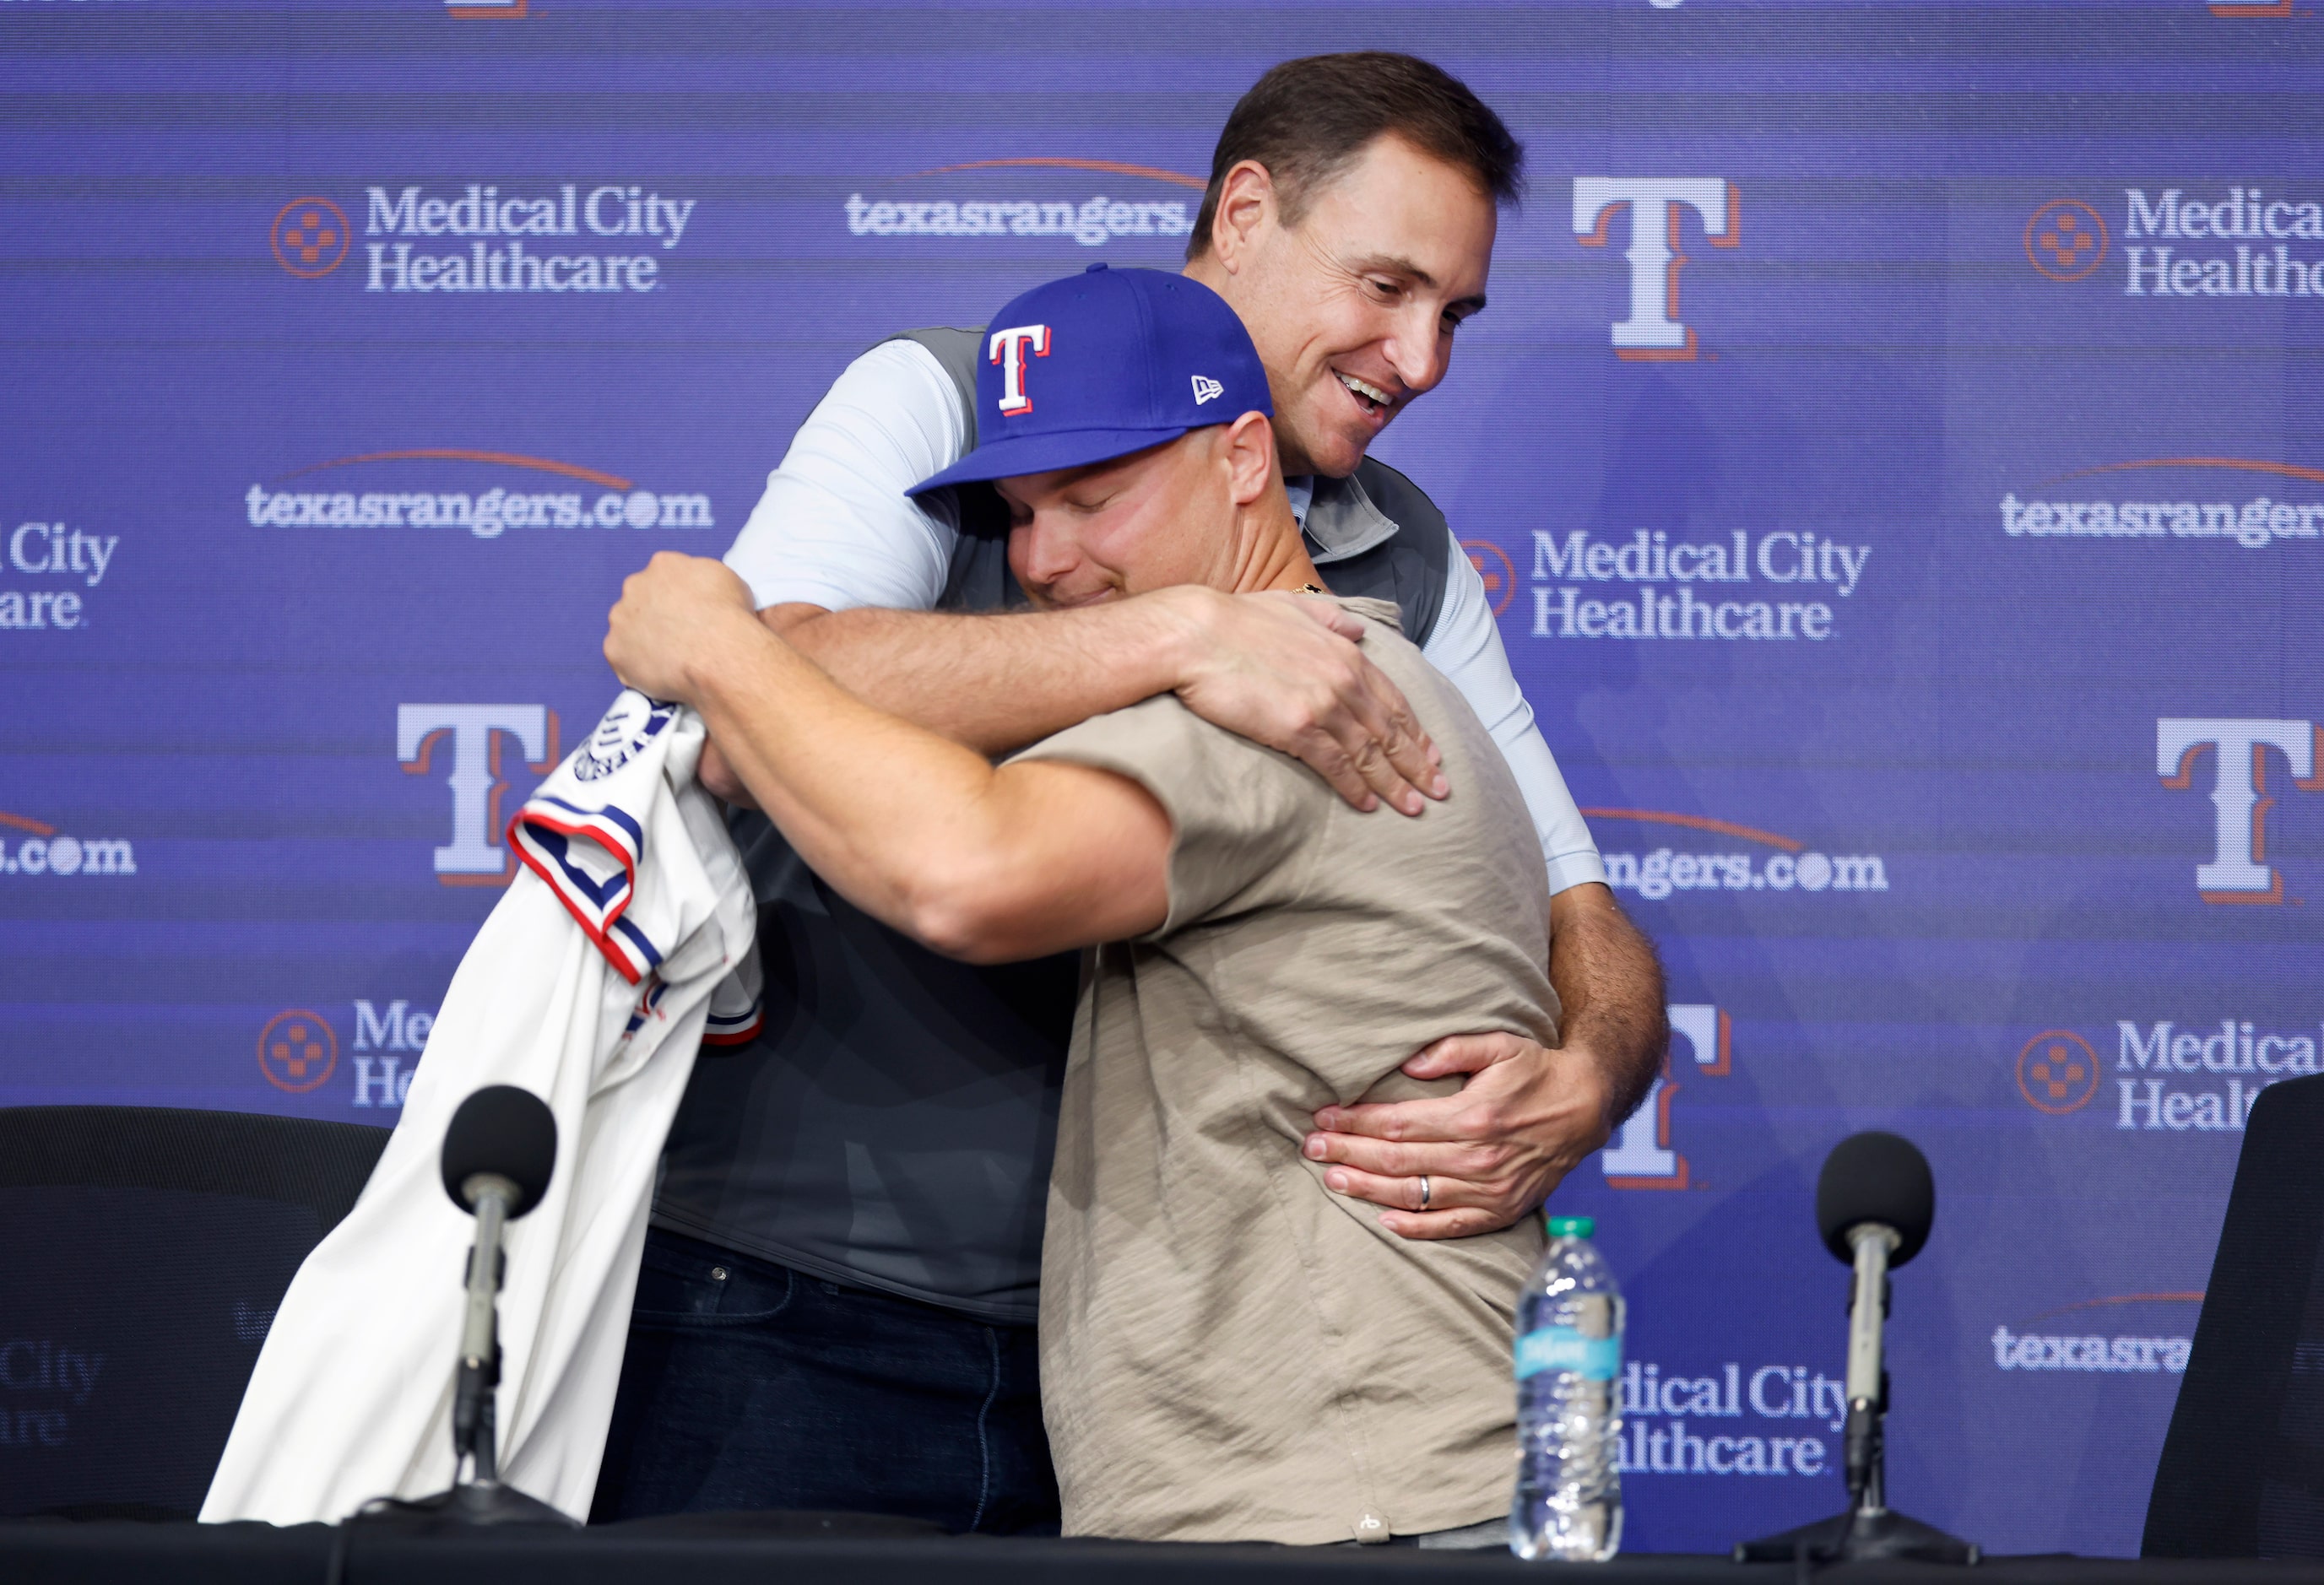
(498, 1157)
(1875, 1202)
(501, 1131)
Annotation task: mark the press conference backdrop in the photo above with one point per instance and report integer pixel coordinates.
(1892, 451)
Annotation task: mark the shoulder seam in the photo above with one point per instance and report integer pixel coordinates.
(962, 380)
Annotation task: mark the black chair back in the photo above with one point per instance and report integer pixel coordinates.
(2242, 1467)
(142, 1252)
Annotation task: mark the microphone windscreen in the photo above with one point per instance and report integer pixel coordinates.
(506, 1130)
(1875, 1177)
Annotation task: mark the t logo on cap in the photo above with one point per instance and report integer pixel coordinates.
(1141, 356)
(1008, 350)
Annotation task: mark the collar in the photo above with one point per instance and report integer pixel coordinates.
(1338, 517)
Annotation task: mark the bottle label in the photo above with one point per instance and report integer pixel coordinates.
(1562, 1347)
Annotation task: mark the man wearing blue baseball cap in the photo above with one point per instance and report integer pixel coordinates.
(1153, 356)
(1230, 1350)
(846, 1253)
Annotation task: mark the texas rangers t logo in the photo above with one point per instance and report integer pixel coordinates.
(1009, 349)
(1654, 331)
(2239, 871)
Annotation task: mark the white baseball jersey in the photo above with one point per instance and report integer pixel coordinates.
(625, 942)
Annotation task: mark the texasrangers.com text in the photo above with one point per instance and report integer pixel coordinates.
(1089, 222)
(68, 856)
(1657, 874)
(2253, 524)
(486, 516)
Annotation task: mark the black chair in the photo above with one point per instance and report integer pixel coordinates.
(2242, 1467)
(142, 1252)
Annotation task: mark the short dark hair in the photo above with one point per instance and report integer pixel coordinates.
(1307, 120)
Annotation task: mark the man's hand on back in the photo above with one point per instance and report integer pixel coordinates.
(1528, 1114)
(1287, 670)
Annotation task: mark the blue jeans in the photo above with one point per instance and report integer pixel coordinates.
(748, 1385)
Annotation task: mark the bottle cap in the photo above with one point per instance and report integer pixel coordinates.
(1570, 1227)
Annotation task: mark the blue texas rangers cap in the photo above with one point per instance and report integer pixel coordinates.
(1103, 363)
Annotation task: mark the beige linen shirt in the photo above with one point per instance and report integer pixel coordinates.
(1229, 1350)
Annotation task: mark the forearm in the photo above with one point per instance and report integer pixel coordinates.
(994, 684)
(876, 805)
(1609, 984)
(985, 864)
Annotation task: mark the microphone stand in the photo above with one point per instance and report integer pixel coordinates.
(480, 1498)
(1869, 1528)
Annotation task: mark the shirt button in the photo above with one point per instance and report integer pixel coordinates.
(1370, 1528)
(717, 1273)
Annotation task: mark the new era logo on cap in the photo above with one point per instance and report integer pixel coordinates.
(1101, 364)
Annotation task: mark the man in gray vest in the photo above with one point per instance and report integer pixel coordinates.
(836, 1301)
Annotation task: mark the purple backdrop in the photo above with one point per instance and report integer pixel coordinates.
(1893, 445)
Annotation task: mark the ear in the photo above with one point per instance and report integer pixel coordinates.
(1247, 209)
(1249, 451)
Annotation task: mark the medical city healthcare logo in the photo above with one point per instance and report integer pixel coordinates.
(1757, 1398)
(1657, 208)
(2065, 240)
(2165, 1075)
(1587, 587)
(2240, 752)
(1040, 198)
(617, 501)
(310, 237)
(1494, 570)
(298, 1050)
(71, 560)
(555, 239)
(2236, 240)
(2057, 1071)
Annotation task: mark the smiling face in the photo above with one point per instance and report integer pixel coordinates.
(1354, 309)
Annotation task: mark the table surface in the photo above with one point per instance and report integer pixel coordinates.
(761, 1549)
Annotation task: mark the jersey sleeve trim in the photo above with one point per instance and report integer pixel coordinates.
(730, 1030)
(543, 834)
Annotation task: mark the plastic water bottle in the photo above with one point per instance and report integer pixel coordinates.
(1569, 1498)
